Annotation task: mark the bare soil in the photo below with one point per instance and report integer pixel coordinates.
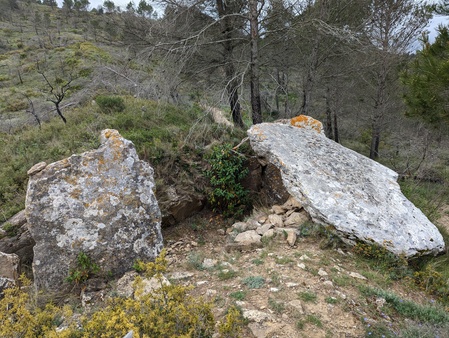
(306, 291)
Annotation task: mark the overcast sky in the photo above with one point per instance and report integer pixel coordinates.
(122, 3)
(437, 20)
(118, 3)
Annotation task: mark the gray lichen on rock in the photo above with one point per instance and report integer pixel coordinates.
(358, 197)
(101, 203)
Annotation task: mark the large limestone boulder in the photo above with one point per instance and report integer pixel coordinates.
(357, 196)
(100, 203)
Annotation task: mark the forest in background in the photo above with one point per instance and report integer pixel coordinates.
(349, 63)
(67, 73)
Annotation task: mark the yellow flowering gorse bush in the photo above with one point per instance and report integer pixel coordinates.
(167, 312)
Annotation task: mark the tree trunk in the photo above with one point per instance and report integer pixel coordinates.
(276, 94)
(59, 112)
(336, 135)
(233, 94)
(310, 79)
(254, 65)
(375, 140)
(328, 131)
(379, 108)
(285, 89)
(229, 68)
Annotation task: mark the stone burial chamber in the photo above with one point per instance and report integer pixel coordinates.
(357, 197)
(99, 203)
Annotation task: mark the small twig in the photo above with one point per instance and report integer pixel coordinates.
(243, 141)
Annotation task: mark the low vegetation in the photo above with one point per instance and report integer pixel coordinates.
(254, 282)
(166, 312)
(167, 136)
(85, 269)
(226, 173)
(183, 139)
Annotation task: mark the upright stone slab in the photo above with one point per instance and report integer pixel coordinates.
(100, 203)
(359, 197)
(9, 271)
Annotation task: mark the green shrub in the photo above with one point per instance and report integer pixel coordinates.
(433, 282)
(312, 319)
(109, 104)
(10, 229)
(84, 270)
(331, 300)
(139, 266)
(195, 261)
(225, 174)
(238, 295)
(257, 261)
(254, 282)
(315, 320)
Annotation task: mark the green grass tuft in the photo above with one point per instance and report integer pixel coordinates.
(307, 296)
(424, 313)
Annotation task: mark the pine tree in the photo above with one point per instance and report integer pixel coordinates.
(427, 80)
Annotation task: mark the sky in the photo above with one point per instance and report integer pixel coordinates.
(438, 19)
(121, 3)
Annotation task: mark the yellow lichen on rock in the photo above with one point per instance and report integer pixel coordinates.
(108, 133)
(307, 122)
(259, 133)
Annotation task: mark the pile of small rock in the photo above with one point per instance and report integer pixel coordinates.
(282, 223)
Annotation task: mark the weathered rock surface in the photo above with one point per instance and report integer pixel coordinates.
(101, 203)
(177, 204)
(359, 197)
(9, 270)
(247, 236)
(307, 122)
(9, 266)
(17, 240)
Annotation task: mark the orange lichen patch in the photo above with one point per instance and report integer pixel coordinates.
(259, 133)
(65, 163)
(115, 142)
(100, 200)
(108, 133)
(71, 180)
(101, 161)
(76, 193)
(307, 122)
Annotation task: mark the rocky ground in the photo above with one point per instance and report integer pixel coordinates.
(308, 289)
(303, 285)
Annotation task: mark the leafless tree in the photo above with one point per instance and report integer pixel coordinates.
(32, 111)
(57, 90)
(394, 25)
